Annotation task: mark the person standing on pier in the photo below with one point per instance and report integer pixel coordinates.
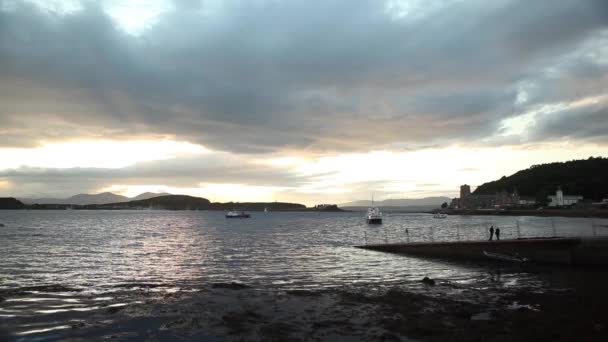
(491, 232)
(497, 233)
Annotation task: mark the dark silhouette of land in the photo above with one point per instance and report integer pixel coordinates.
(84, 199)
(587, 177)
(168, 202)
(11, 203)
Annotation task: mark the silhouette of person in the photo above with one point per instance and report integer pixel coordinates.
(497, 233)
(491, 232)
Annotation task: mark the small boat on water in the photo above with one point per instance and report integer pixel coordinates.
(506, 257)
(374, 216)
(440, 215)
(237, 214)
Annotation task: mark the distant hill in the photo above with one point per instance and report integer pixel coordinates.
(184, 202)
(587, 177)
(104, 197)
(258, 206)
(147, 195)
(45, 200)
(411, 208)
(85, 199)
(11, 203)
(426, 203)
(169, 202)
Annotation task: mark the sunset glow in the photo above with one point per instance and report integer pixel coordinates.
(234, 101)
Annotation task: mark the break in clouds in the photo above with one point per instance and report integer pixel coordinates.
(262, 77)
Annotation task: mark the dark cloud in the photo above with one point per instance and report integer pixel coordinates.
(588, 122)
(184, 172)
(263, 76)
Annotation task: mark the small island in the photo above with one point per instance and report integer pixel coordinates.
(170, 202)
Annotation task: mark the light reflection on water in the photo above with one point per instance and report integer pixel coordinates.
(101, 258)
(93, 249)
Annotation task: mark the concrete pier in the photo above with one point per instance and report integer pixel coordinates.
(567, 251)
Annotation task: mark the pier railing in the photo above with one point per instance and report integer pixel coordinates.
(444, 230)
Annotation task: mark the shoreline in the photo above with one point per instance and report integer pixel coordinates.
(592, 213)
(573, 213)
(487, 310)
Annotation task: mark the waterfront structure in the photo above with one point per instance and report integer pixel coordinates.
(465, 191)
(526, 201)
(325, 206)
(467, 200)
(560, 200)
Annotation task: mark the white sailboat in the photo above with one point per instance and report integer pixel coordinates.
(374, 216)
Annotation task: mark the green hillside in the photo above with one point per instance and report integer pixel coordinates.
(588, 177)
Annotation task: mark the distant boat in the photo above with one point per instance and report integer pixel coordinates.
(237, 214)
(441, 216)
(265, 210)
(374, 216)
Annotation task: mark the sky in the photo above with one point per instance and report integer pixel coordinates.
(318, 101)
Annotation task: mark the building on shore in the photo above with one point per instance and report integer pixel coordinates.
(325, 206)
(506, 199)
(561, 200)
(527, 201)
(468, 200)
(465, 191)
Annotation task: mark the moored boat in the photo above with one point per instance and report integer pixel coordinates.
(374, 216)
(237, 214)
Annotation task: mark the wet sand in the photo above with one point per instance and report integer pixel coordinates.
(570, 308)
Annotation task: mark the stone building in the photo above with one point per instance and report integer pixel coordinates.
(472, 201)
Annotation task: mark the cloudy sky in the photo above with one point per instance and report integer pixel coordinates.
(310, 101)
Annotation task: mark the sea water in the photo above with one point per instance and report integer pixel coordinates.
(61, 270)
(99, 249)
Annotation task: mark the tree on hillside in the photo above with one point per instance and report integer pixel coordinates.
(588, 178)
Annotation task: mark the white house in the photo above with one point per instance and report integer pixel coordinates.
(560, 200)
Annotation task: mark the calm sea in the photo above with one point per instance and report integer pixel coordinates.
(101, 249)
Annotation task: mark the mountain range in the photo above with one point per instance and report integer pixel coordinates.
(86, 199)
(426, 203)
